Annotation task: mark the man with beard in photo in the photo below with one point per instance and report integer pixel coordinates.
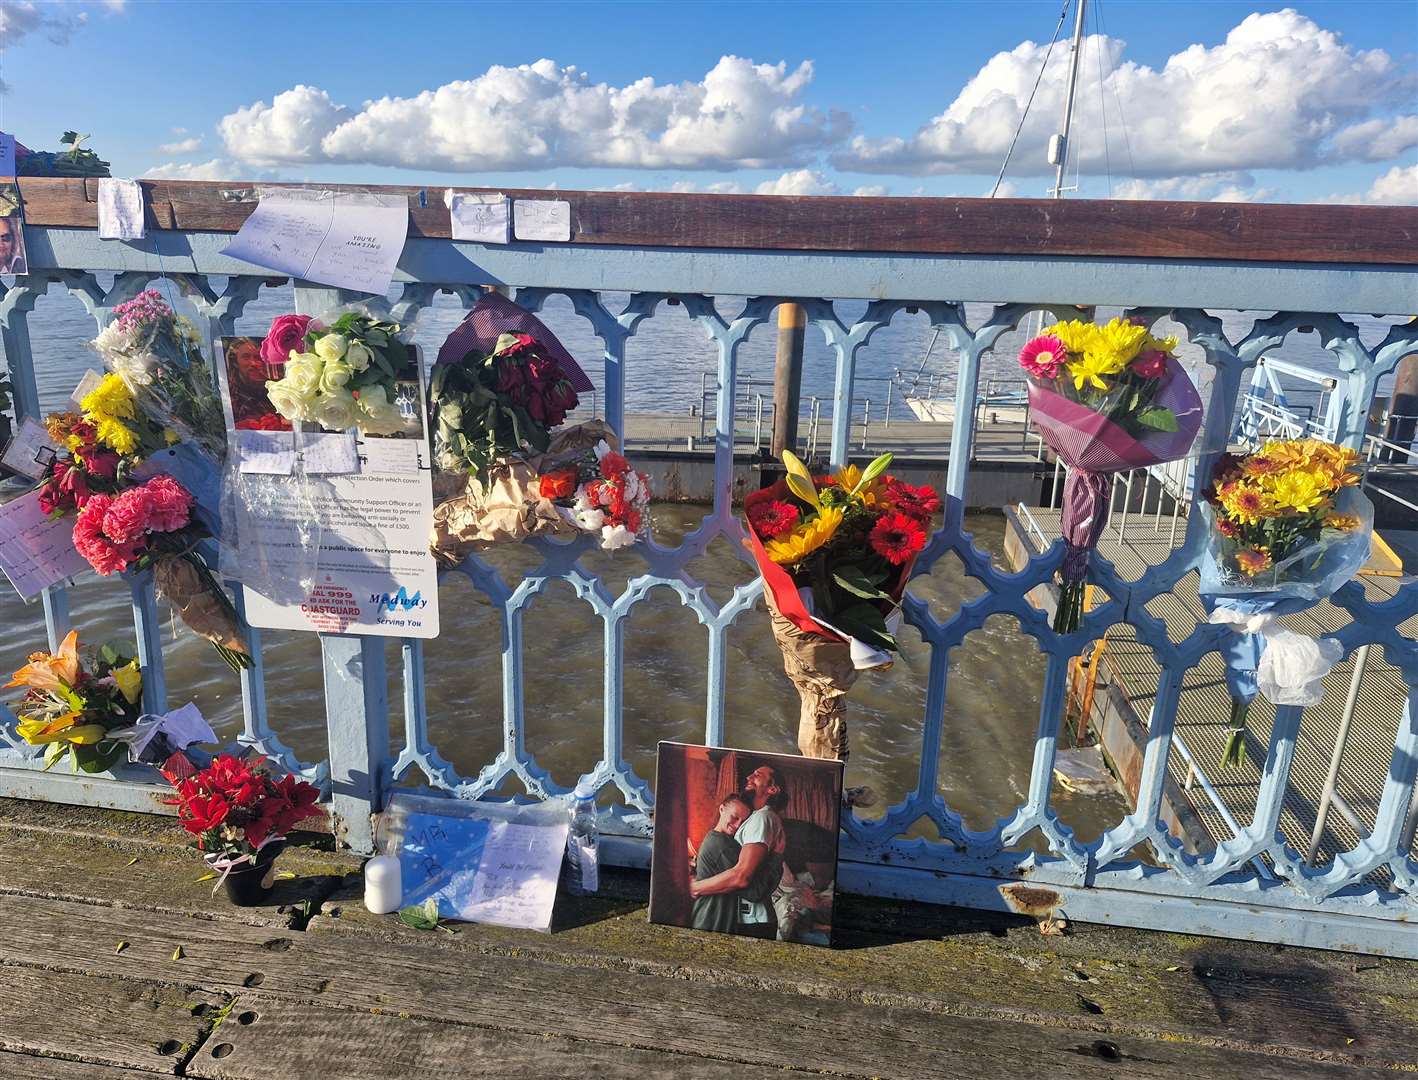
(762, 845)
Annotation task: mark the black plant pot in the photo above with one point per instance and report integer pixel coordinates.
(250, 885)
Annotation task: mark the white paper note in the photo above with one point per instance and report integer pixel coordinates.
(399, 457)
(30, 450)
(485, 218)
(517, 875)
(35, 551)
(89, 382)
(120, 209)
(269, 452)
(543, 219)
(351, 240)
(329, 453)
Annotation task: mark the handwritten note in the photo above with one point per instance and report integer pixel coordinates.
(36, 552)
(483, 217)
(352, 240)
(401, 457)
(329, 453)
(7, 154)
(542, 219)
(30, 451)
(482, 870)
(268, 452)
(120, 209)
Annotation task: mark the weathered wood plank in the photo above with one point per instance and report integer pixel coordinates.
(121, 1022)
(286, 1040)
(1246, 232)
(699, 1010)
(29, 1067)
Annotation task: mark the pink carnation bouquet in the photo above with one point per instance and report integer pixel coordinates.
(1106, 399)
(151, 526)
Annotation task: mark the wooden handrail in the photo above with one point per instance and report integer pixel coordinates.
(1241, 232)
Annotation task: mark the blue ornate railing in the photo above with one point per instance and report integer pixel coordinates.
(1362, 899)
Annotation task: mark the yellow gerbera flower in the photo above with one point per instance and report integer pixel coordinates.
(806, 538)
(1075, 334)
(1118, 342)
(1299, 490)
(1090, 368)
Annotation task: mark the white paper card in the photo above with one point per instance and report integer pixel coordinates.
(399, 457)
(30, 450)
(329, 453)
(351, 240)
(88, 383)
(543, 219)
(7, 154)
(482, 217)
(35, 551)
(517, 875)
(120, 209)
(269, 452)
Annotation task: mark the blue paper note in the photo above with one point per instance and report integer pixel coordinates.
(439, 858)
(194, 470)
(7, 154)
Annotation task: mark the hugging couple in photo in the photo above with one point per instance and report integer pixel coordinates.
(739, 863)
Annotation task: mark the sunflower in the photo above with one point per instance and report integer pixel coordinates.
(806, 538)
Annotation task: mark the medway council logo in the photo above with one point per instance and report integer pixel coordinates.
(399, 601)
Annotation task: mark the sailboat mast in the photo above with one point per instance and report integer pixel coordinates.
(1058, 145)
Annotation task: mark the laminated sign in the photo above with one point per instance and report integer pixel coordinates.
(332, 513)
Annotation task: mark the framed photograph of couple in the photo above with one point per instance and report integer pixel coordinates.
(746, 842)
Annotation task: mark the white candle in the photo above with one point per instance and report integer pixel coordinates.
(383, 885)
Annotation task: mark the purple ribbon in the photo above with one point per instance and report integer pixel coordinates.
(1085, 515)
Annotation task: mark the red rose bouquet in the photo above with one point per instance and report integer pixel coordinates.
(835, 553)
(602, 495)
(240, 815)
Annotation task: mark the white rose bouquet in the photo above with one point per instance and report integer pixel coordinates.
(342, 374)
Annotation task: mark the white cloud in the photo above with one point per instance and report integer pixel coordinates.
(872, 189)
(116, 6)
(1208, 187)
(215, 169)
(182, 146)
(20, 18)
(1279, 92)
(797, 182)
(1398, 186)
(741, 115)
(1380, 139)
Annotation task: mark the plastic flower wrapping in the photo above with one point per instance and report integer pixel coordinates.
(835, 553)
(1286, 526)
(235, 808)
(90, 711)
(157, 355)
(347, 370)
(1106, 399)
(505, 466)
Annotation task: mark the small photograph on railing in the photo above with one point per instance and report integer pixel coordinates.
(12, 232)
(746, 843)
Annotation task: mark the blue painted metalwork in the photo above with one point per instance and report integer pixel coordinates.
(1362, 899)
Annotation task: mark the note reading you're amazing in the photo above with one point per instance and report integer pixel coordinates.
(348, 239)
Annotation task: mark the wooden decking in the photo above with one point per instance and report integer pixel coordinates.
(1204, 706)
(119, 963)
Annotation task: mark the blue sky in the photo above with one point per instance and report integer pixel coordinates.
(1297, 102)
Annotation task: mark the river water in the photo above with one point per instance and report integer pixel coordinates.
(995, 680)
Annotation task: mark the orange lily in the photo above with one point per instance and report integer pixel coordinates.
(51, 671)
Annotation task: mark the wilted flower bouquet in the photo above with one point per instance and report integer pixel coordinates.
(241, 815)
(835, 553)
(1106, 399)
(92, 712)
(1287, 526)
(157, 355)
(340, 375)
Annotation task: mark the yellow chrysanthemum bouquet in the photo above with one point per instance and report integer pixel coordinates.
(1287, 526)
(1106, 399)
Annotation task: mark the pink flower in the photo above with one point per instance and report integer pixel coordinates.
(169, 504)
(103, 554)
(127, 517)
(287, 332)
(1043, 357)
(1151, 365)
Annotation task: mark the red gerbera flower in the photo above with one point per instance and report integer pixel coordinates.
(770, 519)
(897, 537)
(919, 502)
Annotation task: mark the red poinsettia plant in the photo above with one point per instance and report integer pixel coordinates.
(236, 808)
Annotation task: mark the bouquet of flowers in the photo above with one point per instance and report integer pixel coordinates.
(835, 553)
(92, 712)
(240, 815)
(1106, 399)
(347, 373)
(151, 525)
(602, 495)
(157, 355)
(1286, 526)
